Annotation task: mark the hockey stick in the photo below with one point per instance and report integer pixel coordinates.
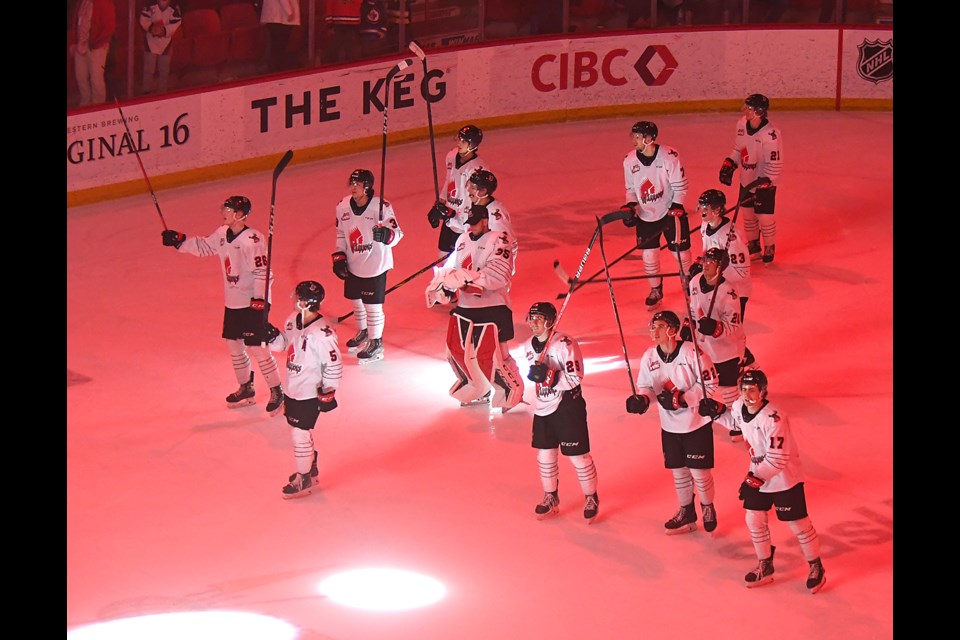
(284, 161)
(684, 284)
(726, 244)
(403, 64)
(616, 311)
(423, 92)
(562, 274)
(140, 162)
(404, 281)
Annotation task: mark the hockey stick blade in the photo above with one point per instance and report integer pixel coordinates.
(562, 274)
(619, 214)
(284, 161)
(403, 64)
(417, 50)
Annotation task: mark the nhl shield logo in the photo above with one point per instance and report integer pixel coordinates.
(876, 60)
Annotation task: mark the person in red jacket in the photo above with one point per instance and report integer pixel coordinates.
(93, 25)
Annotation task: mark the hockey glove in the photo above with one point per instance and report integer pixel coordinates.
(685, 333)
(383, 234)
(438, 213)
(340, 268)
(637, 404)
(172, 238)
(630, 218)
(753, 481)
(709, 327)
(726, 171)
(258, 304)
(540, 373)
(676, 210)
(327, 401)
(270, 332)
(710, 408)
(671, 400)
(764, 197)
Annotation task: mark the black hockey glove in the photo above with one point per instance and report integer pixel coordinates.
(340, 268)
(764, 197)
(671, 400)
(383, 234)
(438, 213)
(710, 408)
(685, 333)
(270, 332)
(726, 171)
(637, 404)
(327, 401)
(709, 327)
(540, 373)
(753, 481)
(630, 218)
(172, 238)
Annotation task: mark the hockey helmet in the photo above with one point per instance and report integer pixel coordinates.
(712, 199)
(472, 135)
(758, 102)
(478, 212)
(544, 310)
(484, 179)
(718, 255)
(240, 204)
(645, 128)
(667, 317)
(754, 377)
(310, 294)
(364, 177)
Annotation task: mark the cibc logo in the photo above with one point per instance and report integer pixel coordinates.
(581, 69)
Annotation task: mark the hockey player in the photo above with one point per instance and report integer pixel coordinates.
(715, 308)
(774, 479)
(478, 275)
(758, 151)
(656, 189)
(243, 260)
(480, 189)
(314, 369)
(367, 231)
(672, 373)
(450, 213)
(560, 413)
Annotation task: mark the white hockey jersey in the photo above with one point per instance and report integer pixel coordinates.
(656, 186)
(738, 271)
(314, 363)
(489, 263)
(774, 456)
(759, 154)
(454, 191)
(563, 355)
(243, 262)
(366, 258)
(682, 372)
(726, 311)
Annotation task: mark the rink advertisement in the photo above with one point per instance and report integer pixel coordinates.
(221, 132)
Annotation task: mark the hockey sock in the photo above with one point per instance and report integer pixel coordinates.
(759, 532)
(268, 365)
(360, 313)
(586, 473)
(549, 468)
(751, 227)
(683, 484)
(240, 360)
(703, 479)
(768, 227)
(807, 537)
(302, 449)
(375, 320)
(651, 267)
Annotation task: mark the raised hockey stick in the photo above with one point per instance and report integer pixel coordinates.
(403, 64)
(404, 281)
(616, 311)
(136, 152)
(684, 284)
(284, 161)
(426, 97)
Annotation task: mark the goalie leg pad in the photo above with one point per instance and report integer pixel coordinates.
(471, 383)
(508, 383)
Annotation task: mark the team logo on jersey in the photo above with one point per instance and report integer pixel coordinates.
(648, 192)
(254, 238)
(356, 242)
(227, 269)
(292, 366)
(654, 365)
(745, 160)
(875, 63)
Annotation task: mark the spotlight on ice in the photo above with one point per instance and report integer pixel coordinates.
(382, 589)
(188, 625)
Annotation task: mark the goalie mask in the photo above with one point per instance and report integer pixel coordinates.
(240, 204)
(309, 295)
(543, 310)
(472, 135)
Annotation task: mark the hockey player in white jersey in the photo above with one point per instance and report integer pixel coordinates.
(243, 262)
(314, 370)
(560, 412)
(676, 377)
(758, 151)
(775, 477)
(367, 231)
(478, 276)
(656, 187)
(450, 213)
(480, 189)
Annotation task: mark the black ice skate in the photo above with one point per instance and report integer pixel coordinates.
(276, 400)
(753, 246)
(768, 252)
(298, 487)
(762, 574)
(355, 343)
(314, 471)
(817, 577)
(243, 396)
(591, 507)
(549, 506)
(709, 517)
(654, 298)
(372, 352)
(684, 521)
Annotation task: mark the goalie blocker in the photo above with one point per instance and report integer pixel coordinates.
(474, 354)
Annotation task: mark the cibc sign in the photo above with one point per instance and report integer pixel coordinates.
(582, 69)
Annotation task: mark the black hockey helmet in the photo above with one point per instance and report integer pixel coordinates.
(478, 212)
(310, 292)
(472, 135)
(667, 317)
(718, 255)
(364, 177)
(238, 203)
(484, 180)
(545, 310)
(713, 199)
(645, 128)
(759, 103)
(754, 377)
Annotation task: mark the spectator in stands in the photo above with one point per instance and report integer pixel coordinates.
(343, 23)
(160, 19)
(281, 17)
(373, 28)
(94, 24)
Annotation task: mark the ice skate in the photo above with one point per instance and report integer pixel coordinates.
(709, 517)
(591, 507)
(753, 246)
(484, 399)
(549, 506)
(372, 352)
(684, 521)
(355, 343)
(314, 471)
(817, 577)
(298, 487)
(762, 574)
(768, 252)
(276, 400)
(243, 396)
(654, 298)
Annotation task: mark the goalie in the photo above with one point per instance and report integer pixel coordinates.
(477, 278)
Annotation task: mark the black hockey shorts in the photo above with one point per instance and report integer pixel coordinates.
(448, 239)
(648, 233)
(301, 414)
(370, 290)
(693, 450)
(728, 372)
(565, 428)
(764, 200)
(500, 315)
(789, 505)
(239, 324)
